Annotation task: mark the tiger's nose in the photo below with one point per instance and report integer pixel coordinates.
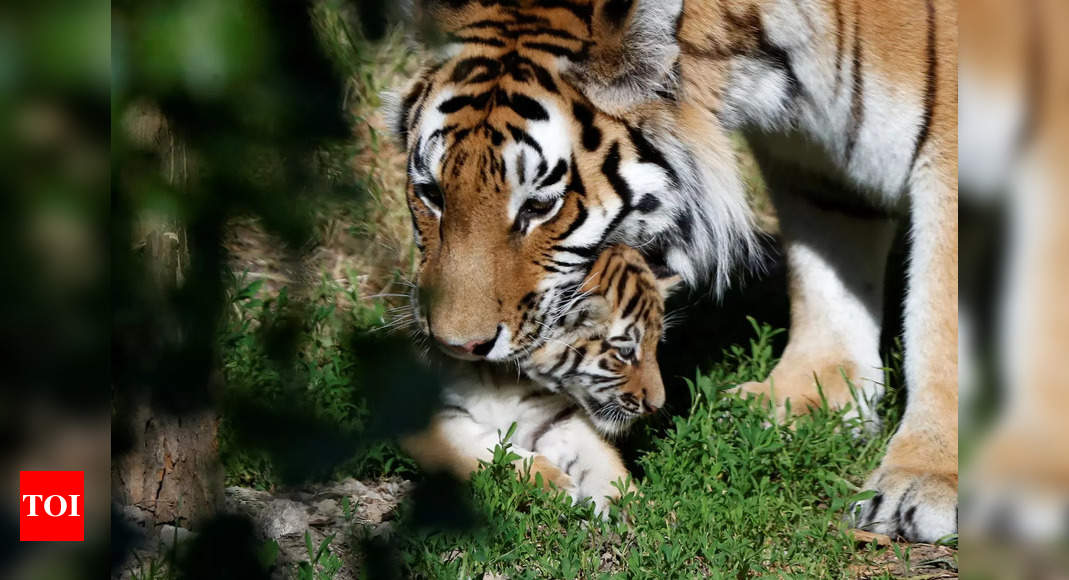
(472, 348)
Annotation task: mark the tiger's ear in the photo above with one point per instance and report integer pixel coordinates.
(433, 20)
(633, 53)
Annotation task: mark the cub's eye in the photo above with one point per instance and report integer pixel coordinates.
(431, 194)
(535, 208)
(625, 353)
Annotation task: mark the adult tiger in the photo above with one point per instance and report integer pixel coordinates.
(546, 130)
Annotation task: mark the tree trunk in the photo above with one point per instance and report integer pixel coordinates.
(171, 473)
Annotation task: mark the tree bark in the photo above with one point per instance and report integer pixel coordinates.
(171, 474)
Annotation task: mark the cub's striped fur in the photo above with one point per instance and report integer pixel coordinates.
(597, 373)
(545, 131)
(604, 355)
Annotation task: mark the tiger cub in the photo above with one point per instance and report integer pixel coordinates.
(605, 354)
(596, 372)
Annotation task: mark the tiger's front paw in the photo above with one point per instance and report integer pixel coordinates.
(1017, 488)
(919, 506)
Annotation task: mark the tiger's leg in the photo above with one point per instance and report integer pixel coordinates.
(836, 260)
(917, 481)
(593, 465)
(455, 443)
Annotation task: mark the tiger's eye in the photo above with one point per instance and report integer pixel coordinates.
(536, 207)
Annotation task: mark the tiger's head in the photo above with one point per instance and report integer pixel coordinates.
(542, 133)
(604, 353)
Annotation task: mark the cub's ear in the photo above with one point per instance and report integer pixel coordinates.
(667, 284)
(632, 56)
(597, 310)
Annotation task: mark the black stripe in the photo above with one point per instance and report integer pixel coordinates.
(779, 58)
(406, 107)
(521, 168)
(874, 506)
(458, 102)
(591, 134)
(554, 49)
(545, 427)
(501, 26)
(524, 106)
(467, 66)
(542, 31)
(630, 306)
(685, 224)
(560, 363)
(840, 37)
(420, 103)
(648, 203)
(581, 11)
(582, 477)
(647, 153)
(580, 219)
(580, 354)
(575, 183)
(577, 250)
(611, 168)
(521, 136)
(929, 88)
(521, 68)
(495, 42)
(857, 103)
(556, 175)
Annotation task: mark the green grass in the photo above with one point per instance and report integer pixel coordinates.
(319, 381)
(723, 494)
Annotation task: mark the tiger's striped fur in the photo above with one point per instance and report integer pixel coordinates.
(548, 130)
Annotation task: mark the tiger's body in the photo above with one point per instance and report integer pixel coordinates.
(596, 374)
(547, 131)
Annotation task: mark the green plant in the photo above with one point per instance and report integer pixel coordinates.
(322, 383)
(322, 564)
(724, 494)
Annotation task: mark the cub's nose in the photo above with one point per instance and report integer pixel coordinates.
(640, 404)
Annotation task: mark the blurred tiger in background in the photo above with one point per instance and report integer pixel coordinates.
(546, 131)
(1014, 129)
(594, 375)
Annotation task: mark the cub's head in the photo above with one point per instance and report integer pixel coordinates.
(542, 133)
(605, 354)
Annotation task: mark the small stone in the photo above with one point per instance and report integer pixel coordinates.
(284, 517)
(325, 512)
(171, 535)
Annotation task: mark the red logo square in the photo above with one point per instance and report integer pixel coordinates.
(51, 506)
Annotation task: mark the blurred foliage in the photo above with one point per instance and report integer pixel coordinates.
(329, 380)
(244, 108)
